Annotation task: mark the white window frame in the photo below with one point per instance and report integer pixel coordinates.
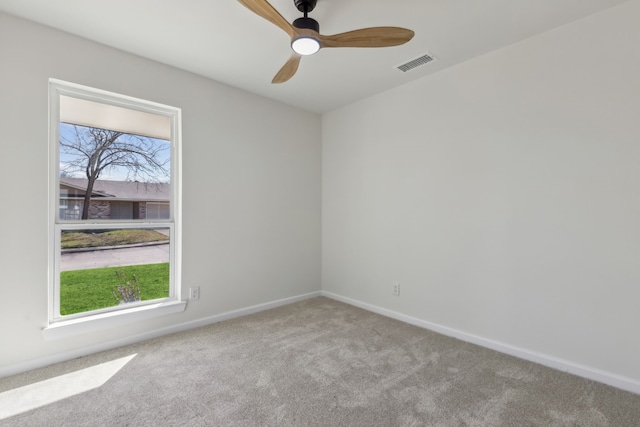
(61, 326)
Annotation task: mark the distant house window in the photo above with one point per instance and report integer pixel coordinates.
(157, 210)
(114, 198)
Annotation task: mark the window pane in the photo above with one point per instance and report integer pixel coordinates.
(107, 174)
(111, 268)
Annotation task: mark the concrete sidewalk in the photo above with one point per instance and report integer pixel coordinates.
(152, 254)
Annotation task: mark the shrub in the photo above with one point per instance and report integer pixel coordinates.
(126, 292)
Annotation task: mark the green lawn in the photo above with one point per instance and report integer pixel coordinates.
(76, 239)
(85, 290)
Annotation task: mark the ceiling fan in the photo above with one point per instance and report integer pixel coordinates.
(307, 40)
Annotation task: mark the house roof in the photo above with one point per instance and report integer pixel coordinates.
(122, 190)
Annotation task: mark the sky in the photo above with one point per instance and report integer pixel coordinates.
(68, 133)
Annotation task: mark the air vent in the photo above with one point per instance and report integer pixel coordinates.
(418, 62)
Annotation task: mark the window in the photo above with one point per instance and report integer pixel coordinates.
(157, 210)
(114, 203)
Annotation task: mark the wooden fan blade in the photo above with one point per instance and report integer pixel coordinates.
(369, 37)
(288, 69)
(264, 9)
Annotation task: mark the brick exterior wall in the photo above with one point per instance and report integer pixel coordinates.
(99, 210)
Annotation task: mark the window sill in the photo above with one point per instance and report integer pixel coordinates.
(89, 324)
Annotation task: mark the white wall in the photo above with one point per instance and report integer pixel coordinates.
(503, 194)
(251, 181)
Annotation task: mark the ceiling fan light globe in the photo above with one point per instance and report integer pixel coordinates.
(305, 45)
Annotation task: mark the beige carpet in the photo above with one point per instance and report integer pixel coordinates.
(318, 363)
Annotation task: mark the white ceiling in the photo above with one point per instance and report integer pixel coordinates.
(223, 40)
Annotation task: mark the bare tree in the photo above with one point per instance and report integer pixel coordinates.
(94, 151)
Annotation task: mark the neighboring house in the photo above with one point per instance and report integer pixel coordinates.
(114, 199)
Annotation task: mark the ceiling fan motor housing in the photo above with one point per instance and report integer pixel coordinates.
(305, 6)
(307, 24)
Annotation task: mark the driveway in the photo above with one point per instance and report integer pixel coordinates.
(115, 257)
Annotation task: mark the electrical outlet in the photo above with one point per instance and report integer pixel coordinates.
(194, 293)
(396, 289)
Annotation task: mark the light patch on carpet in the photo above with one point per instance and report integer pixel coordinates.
(32, 396)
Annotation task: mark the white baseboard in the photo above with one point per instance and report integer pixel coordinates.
(608, 378)
(14, 369)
